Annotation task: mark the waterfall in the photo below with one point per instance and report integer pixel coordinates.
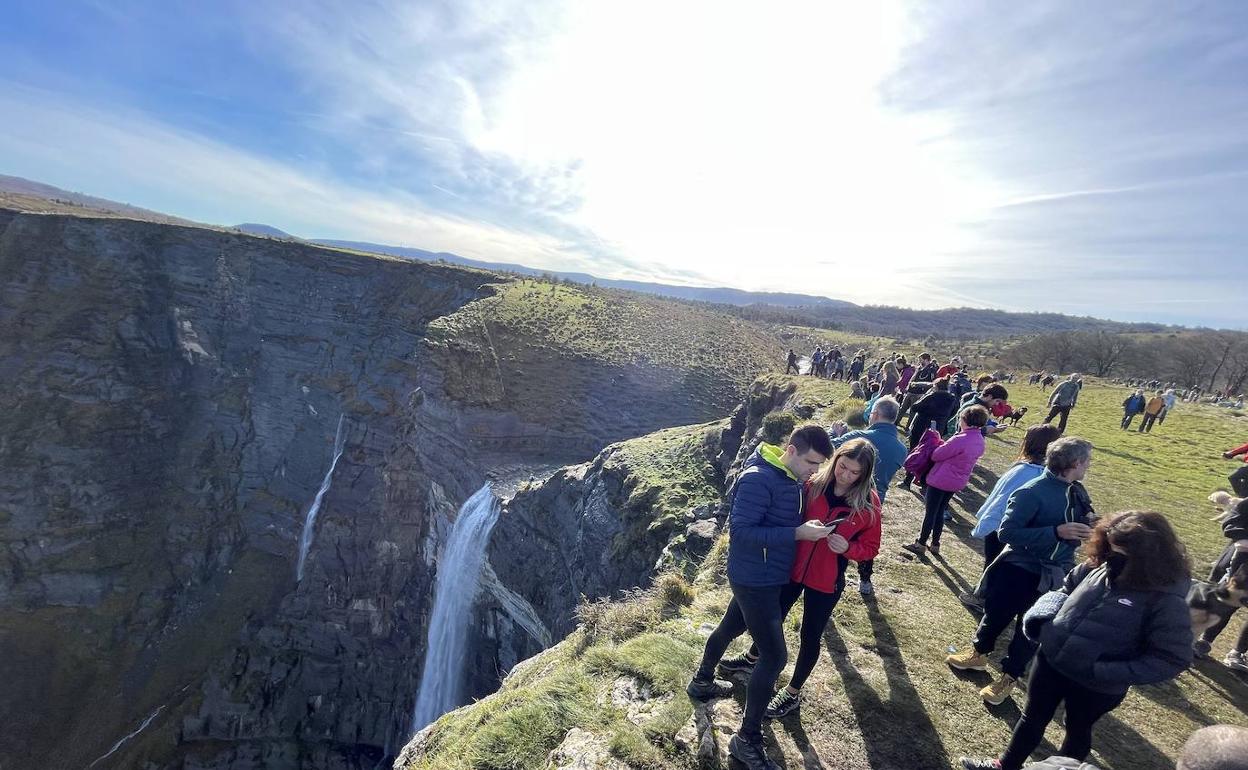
(309, 521)
(459, 573)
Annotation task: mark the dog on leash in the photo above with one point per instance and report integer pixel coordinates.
(1210, 602)
(1015, 416)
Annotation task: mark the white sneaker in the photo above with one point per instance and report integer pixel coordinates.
(1235, 660)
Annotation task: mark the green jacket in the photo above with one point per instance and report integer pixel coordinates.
(1029, 528)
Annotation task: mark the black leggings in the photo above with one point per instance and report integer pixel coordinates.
(1047, 688)
(756, 609)
(816, 611)
(934, 501)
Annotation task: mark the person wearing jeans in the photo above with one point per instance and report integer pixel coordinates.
(1119, 619)
(952, 465)
(765, 523)
(1045, 521)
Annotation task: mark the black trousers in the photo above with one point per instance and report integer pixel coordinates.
(1009, 591)
(1127, 419)
(1146, 425)
(1064, 411)
(816, 612)
(1239, 481)
(866, 569)
(757, 610)
(1047, 688)
(934, 502)
(992, 548)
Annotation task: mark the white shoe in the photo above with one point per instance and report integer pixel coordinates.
(1235, 660)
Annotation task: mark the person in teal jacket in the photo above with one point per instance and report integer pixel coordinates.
(1045, 521)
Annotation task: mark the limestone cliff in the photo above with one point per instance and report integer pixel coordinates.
(169, 413)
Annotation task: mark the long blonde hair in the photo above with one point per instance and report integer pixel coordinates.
(860, 451)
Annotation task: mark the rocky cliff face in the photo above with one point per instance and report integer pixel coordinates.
(169, 413)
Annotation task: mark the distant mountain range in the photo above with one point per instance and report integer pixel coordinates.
(780, 307)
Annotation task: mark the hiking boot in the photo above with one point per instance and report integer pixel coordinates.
(968, 660)
(971, 600)
(1201, 648)
(979, 764)
(700, 689)
(1236, 660)
(750, 754)
(916, 548)
(999, 691)
(742, 663)
(866, 588)
(782, 703)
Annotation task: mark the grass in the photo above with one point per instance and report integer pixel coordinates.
(881, 696)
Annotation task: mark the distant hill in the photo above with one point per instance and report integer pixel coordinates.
(252, 228)
(716, 295)
(773, 307)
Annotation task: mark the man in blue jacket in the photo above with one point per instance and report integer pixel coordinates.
(763, 529)
(890, 454)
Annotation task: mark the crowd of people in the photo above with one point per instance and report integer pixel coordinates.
(1098, 604)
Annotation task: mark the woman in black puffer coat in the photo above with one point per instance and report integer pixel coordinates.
(1120, 619)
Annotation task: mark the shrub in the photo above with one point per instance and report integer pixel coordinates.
(777, 426)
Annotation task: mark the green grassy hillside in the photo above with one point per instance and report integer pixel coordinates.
(881, 696)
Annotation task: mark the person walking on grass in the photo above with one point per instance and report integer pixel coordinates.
(1119, 619)
(1133, 405)
(766, 522)
(1063, 399)
(791, 366)
(1045, 521)
(905, 372)
(842, 496)
(952, 464)
(1154, 407)
(1235, 528)
(890, 454)
(1027, 467)
(1171, 399)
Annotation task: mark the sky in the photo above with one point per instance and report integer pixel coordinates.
(1058, 156)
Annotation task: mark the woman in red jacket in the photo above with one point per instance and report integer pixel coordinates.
(841, 493)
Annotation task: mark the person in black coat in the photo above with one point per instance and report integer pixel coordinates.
(1120, 619)
(937, 406)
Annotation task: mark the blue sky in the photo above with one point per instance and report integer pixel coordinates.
(1028, 157)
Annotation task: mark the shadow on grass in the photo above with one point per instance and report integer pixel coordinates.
(1221, 681)
(810, 757)
(1169, 695)
(878, 719)
(1121, 747)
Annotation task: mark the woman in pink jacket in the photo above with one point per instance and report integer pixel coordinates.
(952, 464)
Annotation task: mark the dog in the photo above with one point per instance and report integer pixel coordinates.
(1210, 602)
(1224, 502)
(1015, 416)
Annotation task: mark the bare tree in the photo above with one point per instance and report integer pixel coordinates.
(1103, 351)
(1221, 347)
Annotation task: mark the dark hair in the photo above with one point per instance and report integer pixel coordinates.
(941, 383)
(1036, 441)
(807, 437)
(928, 356)
(975, 416)
(981, 379)
(996, 391)
(1155, 557)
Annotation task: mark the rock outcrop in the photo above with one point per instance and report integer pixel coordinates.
(170, 407)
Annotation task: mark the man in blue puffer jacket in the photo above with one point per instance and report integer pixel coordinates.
(763, 529)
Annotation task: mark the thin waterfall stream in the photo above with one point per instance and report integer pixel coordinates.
(458, 581)
(309, 520)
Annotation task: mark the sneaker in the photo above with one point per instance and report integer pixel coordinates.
(750, 754)
(934, 548)
(948, 515)
(700, 689)
(737, 663)
(782, 703)
(1235, 660)
(1201, 648)
(999, 690)
(979, 764)
(974, 601)
(968, 660)
(866, 587)
(904, 485)
(916, 547)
